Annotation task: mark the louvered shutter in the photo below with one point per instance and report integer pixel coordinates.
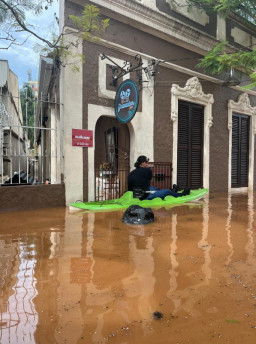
(183, 144)
(235, 150)
(240, 150)
(190, 145)
(196, 146)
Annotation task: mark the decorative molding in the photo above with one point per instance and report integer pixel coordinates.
(192, 89)
(174, 115)
(124, 50)
(197, 15)
(229, 122)
(192, 92)
(243, 105)
(210, 121)
(164, 26)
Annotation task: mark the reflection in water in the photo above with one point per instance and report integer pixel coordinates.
(141, 283)
(97, 336)
(90, 278)
(19, 319)
(120, 285)
(203, 243)
(249, 248)
(174, 264)
(228, 230)
(181, 298)
(29, 260)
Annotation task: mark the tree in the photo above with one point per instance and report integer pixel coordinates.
(13, 22)
(89, 26)
(221, 59)
(244, 8)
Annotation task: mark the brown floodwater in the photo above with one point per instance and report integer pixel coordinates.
(82, 277)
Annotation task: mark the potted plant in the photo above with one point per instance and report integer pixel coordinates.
(105, 168)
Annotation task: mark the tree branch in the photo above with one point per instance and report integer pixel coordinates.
(23, 26)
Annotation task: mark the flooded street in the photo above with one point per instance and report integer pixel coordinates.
(89, 278)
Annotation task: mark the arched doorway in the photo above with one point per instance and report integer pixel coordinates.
(112, 152)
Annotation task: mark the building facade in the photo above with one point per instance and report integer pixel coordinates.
(13, 140)
(200, 124)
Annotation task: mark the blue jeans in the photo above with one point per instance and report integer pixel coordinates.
(162, 193)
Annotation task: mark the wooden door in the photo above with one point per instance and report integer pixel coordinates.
(240, 150)
(190, 145)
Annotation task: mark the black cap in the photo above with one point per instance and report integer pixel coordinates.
(142, 158)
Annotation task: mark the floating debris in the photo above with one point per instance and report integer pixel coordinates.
(157, 315)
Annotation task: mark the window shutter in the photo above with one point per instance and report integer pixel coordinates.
(183, 144)
(240, 150)
(190, 145)
(196, 147)
(235, 150)
(244, 151)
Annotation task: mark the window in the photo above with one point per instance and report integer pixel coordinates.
(190, 145)
(240, 150)
(111, 147)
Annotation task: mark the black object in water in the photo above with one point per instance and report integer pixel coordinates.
(137, 215)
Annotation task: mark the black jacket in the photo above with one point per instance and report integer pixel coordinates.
(140, 178)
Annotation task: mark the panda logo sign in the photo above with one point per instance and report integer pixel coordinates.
(126, 101)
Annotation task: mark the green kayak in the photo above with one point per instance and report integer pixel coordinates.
(127, 199)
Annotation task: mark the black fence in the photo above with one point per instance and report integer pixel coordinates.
(162, 174)
(111, 184)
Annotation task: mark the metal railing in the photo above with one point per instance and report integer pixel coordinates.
(111, 184)
(162, 174)
(29, 154)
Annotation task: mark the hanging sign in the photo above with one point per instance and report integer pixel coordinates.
(82, 138)
(126, 101)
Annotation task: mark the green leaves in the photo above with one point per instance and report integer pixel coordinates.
(218, 61)
(244, 8)
(89, 26)
(90, 23)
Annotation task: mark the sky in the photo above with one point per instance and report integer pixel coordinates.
(23, 58)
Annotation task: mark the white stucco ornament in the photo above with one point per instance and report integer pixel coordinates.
(244, 100)
(192, 92)
(243, 105)
(193, 88)
(174, 115)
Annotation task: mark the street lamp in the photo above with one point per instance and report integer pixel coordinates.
(231, 80)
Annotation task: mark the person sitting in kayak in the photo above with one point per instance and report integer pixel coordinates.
(141, 178)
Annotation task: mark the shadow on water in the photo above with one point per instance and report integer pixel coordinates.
(89, 278)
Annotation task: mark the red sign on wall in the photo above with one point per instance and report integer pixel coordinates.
(82, 138)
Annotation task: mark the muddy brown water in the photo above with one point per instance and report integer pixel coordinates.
(89, 278)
